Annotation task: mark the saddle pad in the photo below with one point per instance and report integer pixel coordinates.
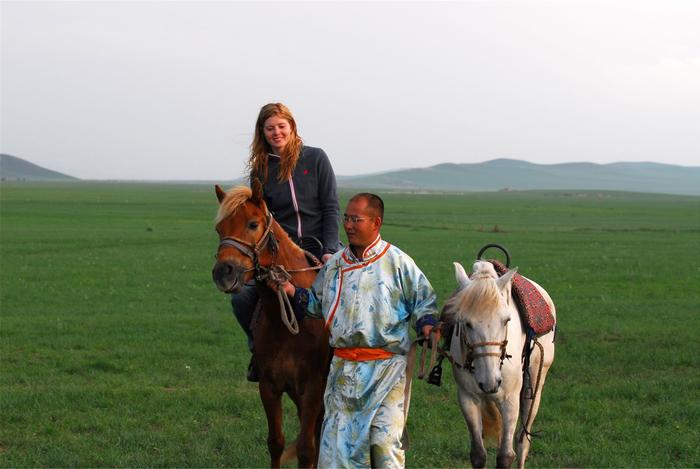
(534, 310)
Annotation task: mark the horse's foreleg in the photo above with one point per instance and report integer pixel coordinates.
(472, 414)
(509, 412)
(529, 406)
(272, 402)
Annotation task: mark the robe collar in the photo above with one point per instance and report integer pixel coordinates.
(370, 252)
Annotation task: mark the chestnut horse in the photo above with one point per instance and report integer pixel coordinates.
(252, 244)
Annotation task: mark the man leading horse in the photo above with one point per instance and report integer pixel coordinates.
(368, 295)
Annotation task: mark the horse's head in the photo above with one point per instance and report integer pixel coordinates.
(481, 309)
(243, 223)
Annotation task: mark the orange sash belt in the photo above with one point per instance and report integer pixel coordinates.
(362, 354)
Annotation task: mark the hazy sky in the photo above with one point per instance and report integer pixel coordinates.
(171, 90)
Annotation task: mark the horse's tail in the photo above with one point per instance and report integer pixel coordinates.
(289, 453)
(492, 421)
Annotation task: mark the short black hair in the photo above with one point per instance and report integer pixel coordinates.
(374, 202)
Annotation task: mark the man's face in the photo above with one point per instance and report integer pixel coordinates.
(360, 224)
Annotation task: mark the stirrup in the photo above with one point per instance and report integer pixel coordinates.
(435, 375)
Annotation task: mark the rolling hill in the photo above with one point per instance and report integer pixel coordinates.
(499, 174)
(507, 174)
(17, 169)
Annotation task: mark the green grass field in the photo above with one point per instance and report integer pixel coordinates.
(117, 350)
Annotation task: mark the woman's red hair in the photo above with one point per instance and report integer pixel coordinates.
(260, 148)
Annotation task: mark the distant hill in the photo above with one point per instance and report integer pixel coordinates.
(507, 174)
(14, 169)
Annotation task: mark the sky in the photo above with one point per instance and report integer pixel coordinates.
(171, 90)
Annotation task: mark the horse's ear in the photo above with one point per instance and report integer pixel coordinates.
(505, 280)
(461, 276)
(257, 189)
(220, 194)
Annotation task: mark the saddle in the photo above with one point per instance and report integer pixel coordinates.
(534, 310)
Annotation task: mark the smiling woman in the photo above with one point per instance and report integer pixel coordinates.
(299, 189)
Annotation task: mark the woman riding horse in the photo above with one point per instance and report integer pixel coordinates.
(299, 188)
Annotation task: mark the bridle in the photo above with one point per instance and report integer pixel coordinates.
(253, 250)
(471, 354)
(469, 357)
(277, 273)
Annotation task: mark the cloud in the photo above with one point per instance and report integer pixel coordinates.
(683, 71)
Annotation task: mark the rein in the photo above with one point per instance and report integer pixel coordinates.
(277, 273)
(438, 353)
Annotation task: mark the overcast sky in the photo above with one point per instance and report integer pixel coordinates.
(171, 90)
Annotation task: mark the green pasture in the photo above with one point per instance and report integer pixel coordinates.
(117, 350)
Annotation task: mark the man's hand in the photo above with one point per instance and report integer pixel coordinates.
(325, 257)
(426, 332)
(286, 286)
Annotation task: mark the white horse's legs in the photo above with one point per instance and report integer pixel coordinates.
(509, 413)
(529, 407)
(472, 414)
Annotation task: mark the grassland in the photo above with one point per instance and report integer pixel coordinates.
(116, 349)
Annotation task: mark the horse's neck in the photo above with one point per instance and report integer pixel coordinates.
(516, 330)
(292, 257)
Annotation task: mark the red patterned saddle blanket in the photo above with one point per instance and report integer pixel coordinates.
(534, 310)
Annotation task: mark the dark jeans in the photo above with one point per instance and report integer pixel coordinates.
(243, 304)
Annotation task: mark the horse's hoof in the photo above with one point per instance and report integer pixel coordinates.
(505, 461)
(477, 459)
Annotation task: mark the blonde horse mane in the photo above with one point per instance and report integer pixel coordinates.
(479, 298)
(233, 200)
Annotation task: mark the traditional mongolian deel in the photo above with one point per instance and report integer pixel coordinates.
(368, 306)
(533, 308)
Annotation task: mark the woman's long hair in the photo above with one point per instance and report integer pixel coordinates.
(259, 149)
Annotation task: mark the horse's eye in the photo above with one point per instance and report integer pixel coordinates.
(253, 225)
(506, 320)
(469, 325)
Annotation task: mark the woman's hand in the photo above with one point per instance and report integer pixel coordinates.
(325, 257)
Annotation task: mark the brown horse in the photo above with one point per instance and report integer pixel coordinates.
(252, 243)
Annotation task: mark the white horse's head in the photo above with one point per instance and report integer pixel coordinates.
(481, 308)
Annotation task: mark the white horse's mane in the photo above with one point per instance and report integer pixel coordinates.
(480, 298)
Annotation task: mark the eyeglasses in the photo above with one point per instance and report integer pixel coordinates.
(354, 219)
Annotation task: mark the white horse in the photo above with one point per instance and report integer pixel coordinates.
(487, 349)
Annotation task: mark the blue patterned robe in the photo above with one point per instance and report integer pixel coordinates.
(369, 304)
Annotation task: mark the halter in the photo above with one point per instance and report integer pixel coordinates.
(471, 348)
(277, 273)
(252, 250)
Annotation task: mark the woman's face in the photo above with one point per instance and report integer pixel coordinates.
(277, 133)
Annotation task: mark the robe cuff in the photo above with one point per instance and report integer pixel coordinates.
(300, 302)
(427, 320)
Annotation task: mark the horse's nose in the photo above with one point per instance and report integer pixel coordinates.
(227, 276)
(221, 270)
(490, 390)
